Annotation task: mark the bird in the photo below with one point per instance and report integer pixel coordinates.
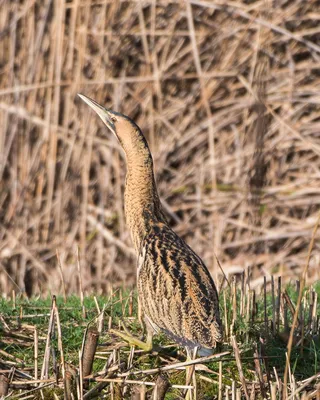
(176, 293)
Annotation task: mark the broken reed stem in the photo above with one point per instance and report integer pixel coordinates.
(190, 372)
(313, 326)
(101, 319)
(2, 320)
(259, 371)
(14, 299)
(4, 385)
(242, 294)
(234, 300)
(179, 365)
(35, 352)
(136, 394)
(134, 382)
(68, 384)
(162, 385)
(239, 365)
(265, 303)
(273, 306)
(80, 392)
(295, 317)
(226, 325)
(278, 305)
(46, 356)
(233, 390)
(80, 284)
(289, 305)
(109, 372)
(89, 350)
(220, 381)
(97, 304)
(62, 277)
(60, 345)
(131, 303)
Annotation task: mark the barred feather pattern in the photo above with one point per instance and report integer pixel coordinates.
(176, 291)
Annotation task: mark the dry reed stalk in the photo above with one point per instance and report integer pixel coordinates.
(162, 385)
(220, 390)
(81, 295)
(253, 391)
(10, 356)
(259, 372)
(226, 325)
(265, 304)
(273, 392)
(4, 385)
(14, 298)
(233, 390)
(243, 294)
(62, 277)
(278, 304)
(80, 382)
(295, 393)
(88, 353)
(28, 382)
(142, 383)
(97, 304)
(36, 352)
(191, 393)
(290, 304)
(131, 304)
(239, 366)
(180, 364)
(273, 306)
(110, 372)
(234, 301)
(135, 393)
(101, 319)
(46, 356)
(68, 384)
(60, 343)
(295, 316)
(314, 313)
(3, 322)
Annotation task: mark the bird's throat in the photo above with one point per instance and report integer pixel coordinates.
(142, 204)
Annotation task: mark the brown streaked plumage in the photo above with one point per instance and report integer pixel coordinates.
(176, 292)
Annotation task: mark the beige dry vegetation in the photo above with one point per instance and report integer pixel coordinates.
(227, 93)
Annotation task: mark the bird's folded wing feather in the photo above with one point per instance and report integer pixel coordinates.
(175, 288)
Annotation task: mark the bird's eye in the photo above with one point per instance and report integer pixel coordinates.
(113, 119)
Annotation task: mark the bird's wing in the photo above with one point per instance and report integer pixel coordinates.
(176, 290)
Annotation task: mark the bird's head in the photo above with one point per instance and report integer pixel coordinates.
(125, 129)
(115, 121)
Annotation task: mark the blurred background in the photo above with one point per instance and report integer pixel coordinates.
(227, 94)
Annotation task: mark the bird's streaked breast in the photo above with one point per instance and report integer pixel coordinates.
(176, 290)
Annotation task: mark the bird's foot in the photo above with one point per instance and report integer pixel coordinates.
(134, 341)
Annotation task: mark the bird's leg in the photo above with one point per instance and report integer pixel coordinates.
(141, 319)
(134, 341)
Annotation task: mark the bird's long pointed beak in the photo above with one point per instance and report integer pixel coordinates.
(103, 113)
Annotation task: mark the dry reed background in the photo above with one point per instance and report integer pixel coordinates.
(227, 93)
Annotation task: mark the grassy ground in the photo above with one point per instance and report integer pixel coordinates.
(227, 95)
(262, 348)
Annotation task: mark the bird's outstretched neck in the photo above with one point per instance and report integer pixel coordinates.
(142, 203)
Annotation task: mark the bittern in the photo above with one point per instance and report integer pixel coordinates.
(176, 292)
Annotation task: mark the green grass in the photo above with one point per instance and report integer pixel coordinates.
(249, 335)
